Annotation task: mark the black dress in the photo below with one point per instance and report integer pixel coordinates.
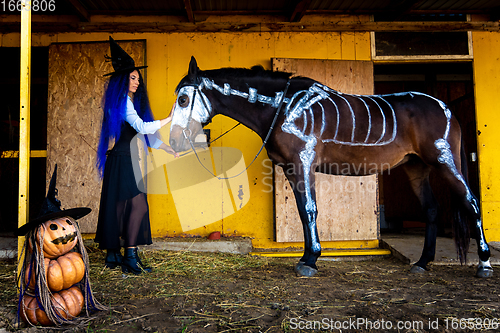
(118, 189)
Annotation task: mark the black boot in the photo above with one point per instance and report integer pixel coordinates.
(113, 258)
(131, 262)
(147, 269)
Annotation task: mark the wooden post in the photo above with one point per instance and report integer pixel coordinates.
(24, 119)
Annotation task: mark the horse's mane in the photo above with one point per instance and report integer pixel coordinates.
(242, 75)
(255, 72)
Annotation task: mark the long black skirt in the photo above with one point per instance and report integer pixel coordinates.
(118, 190)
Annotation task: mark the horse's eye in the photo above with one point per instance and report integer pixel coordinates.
(183, 101)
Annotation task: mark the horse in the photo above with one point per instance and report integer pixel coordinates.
(307, 127)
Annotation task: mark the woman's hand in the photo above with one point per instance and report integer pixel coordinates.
(165, 121)
(169, 150)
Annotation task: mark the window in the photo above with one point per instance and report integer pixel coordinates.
(406, 45)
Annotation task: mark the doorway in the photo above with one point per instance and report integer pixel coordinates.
(453, 84)
(9, 141)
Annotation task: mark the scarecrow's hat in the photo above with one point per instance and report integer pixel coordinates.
(51, 209)
(120, 60)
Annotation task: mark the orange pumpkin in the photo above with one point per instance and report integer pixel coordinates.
(32, 280)
(59, 236)
(67, 303)
(62, 272)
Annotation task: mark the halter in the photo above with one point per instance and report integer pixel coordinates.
(197, 88)
(252, 98)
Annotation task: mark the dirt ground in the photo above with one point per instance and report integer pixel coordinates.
(200, 292)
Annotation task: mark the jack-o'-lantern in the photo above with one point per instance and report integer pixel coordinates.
(55, 265)
(59, 236)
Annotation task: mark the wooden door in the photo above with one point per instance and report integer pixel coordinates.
(76, 87)
(347, 206)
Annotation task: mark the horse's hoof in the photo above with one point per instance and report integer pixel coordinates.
(484, 272)
(417, 269)
(299, 266)
(305, 271)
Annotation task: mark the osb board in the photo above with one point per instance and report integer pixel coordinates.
(347, 206)
(347, 76)
(76, 87)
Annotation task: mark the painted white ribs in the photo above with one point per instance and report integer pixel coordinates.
(304, 104)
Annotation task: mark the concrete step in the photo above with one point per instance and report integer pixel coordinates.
(331, 255)
(408, 248)
(223, 245)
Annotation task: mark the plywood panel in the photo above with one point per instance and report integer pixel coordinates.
(76, 86)
(347, 206)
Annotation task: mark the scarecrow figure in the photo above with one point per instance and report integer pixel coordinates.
(54, 284)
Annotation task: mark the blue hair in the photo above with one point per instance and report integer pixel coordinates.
(114, 108)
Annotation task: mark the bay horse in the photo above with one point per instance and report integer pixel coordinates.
(307, 127)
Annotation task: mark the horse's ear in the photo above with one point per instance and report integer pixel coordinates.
(193, 70)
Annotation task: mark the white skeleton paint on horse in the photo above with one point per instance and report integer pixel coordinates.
(320, 127)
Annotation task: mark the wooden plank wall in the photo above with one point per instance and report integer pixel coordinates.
(347, 206)
(76, 87)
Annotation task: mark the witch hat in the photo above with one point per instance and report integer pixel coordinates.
(51, 209)
(120, 60)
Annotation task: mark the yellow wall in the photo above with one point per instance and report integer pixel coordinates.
(256, 218)
(168, 57)
(487, 92)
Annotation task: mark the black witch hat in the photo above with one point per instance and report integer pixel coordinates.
(120, 60)
(51, 209)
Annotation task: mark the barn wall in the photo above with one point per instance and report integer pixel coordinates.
(168, 56)
(255, 219)
(487, 89)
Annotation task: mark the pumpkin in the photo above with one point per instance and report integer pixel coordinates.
(33, 278)
(59, 236)
(68, 304)
(62, 272)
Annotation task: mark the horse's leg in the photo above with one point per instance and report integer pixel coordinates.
(308, 244)
(418, 174)
(468, 202)
(300, 203)
(484, 268)
(305, 197)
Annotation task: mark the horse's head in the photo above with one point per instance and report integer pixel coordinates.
(192, 109)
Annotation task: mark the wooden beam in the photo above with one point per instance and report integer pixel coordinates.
(57, 24)
(381, 11)
(15, 153)
(24, 120)
(82, 13)
(300, 10)
(189, 10)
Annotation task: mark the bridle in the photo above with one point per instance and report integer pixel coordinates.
(197, 89)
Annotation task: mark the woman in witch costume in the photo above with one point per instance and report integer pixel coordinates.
(124, 212)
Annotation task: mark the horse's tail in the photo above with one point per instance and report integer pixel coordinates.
(461, 232)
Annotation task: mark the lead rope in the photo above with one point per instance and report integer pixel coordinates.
(217, 138)
(263, 143)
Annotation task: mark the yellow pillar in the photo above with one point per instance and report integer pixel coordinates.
(24, 118)
(486, 90)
